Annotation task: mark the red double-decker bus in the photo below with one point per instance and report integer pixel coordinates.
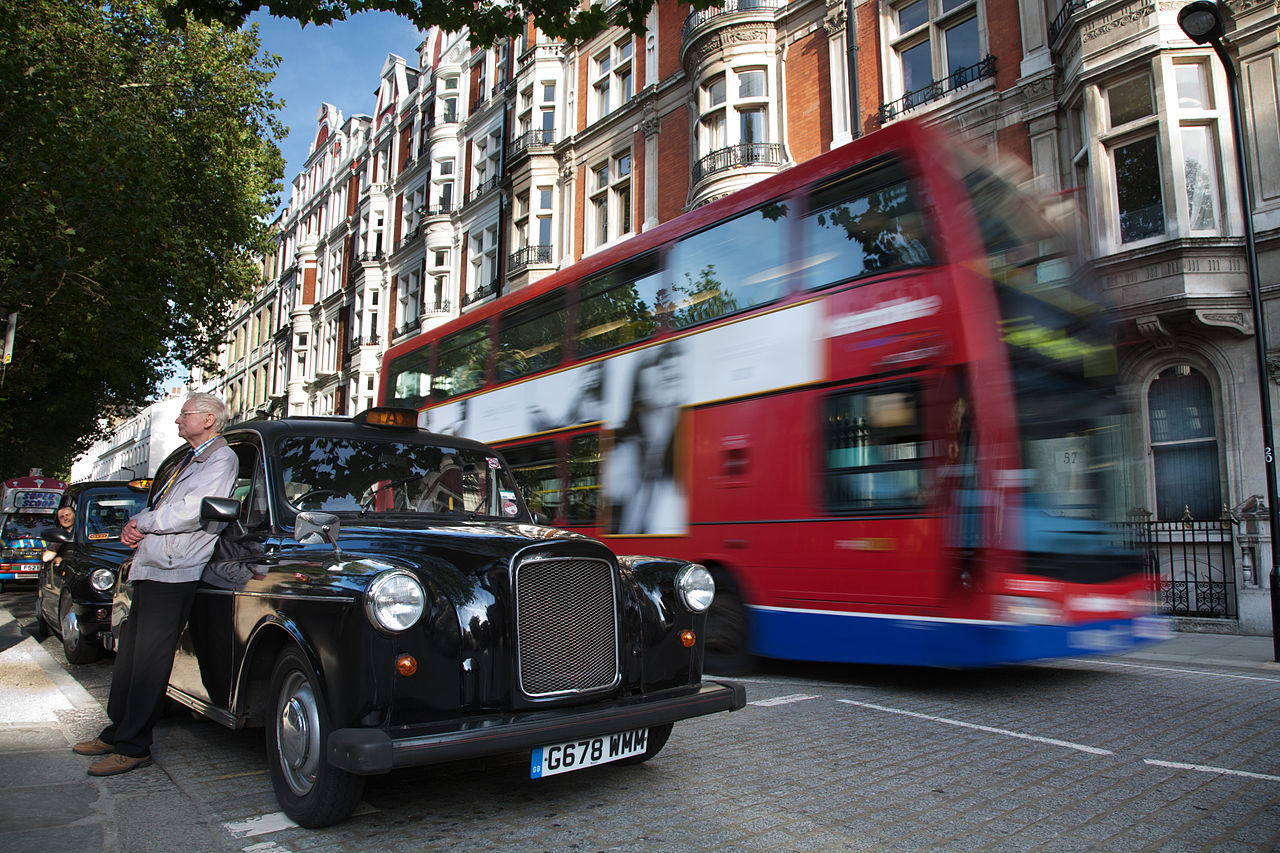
(873, 394)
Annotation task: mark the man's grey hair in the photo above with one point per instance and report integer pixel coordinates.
(212, 405)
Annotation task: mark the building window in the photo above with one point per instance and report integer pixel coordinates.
(1184, 445)
(484, 263)
(734, 110)
(611, 209)
(612, 77)
(933, 39)
(1134, 152)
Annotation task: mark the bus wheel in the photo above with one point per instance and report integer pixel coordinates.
(309, 789)
(726, 632)
(657, 740)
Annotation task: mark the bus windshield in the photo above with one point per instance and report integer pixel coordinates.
(1062, 352)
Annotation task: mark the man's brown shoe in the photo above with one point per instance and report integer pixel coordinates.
(115, 764)
(93, 747)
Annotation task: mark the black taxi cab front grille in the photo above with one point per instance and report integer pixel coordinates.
(566, 625)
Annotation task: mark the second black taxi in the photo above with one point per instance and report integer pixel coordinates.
(381, 598)
(76, 579)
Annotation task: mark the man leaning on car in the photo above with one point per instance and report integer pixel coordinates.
(171, 547)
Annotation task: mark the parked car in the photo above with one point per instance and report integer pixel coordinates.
(382, 598)
(73, 593)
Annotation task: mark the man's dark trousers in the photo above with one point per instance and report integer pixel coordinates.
(145, 657)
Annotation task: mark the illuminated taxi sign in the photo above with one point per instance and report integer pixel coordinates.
(140, 485)
(388, 417)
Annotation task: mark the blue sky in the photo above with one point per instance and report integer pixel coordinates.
(337, 64)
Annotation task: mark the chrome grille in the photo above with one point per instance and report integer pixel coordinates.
(567, 634)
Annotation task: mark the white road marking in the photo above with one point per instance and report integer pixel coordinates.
(1154, 668)
(265, 847)
(1203, 768)
(1092, 750)
(260, 825)
(782, 700)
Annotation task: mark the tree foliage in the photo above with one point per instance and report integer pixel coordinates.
(139, 165)
(487, 21)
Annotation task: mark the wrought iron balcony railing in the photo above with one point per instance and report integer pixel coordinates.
(696, 19)
(960, 78)
(530, 140)
(521, 258)
(1060, 21)
(736, 156)
(490, 289)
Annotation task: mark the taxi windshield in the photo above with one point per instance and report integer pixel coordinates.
(368, 477)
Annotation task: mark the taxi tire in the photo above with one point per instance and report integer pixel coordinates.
(312, 792)
(657, 740)
(727, 631)
(76, 646)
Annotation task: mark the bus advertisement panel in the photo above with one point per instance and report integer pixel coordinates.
(873, 394)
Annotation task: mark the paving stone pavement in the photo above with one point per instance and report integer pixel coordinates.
(835, 765)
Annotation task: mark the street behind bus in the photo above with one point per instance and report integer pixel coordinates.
(1172, 748)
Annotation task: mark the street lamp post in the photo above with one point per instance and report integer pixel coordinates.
(1202, 21)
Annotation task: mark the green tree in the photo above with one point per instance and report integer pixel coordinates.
(139, 166)
(487, 21)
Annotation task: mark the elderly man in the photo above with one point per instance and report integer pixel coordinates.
(171, 547)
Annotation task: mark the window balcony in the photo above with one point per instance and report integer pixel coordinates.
(938, 88)
(490, 289)
(443, 209)
(1063, 18)
(521, 258)
(737, 156)
(698, 18)
(533, 139)
(484, 189)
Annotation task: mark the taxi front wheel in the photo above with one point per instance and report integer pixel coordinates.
(310, 790)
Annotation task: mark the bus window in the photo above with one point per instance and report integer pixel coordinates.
(622, 305)
(862, 224)
(712, 276)
(461, 362)
(410, 379)
(536, 471)
(875, 449)
(584, 479)
(530, 338)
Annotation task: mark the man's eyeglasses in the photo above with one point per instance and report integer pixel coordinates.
(187, 414)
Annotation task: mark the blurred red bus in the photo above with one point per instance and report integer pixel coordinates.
(872, 393)
(27, 508)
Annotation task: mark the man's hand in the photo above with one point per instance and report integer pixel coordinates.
(130, 535)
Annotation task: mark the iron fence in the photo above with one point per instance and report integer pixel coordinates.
(1193, 565)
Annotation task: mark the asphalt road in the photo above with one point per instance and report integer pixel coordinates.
(1105, 754)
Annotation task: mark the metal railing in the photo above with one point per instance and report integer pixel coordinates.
(484, 189)
(1060, 21)
(1192, 564)
(735, 156)
(696, 19)
(529, 140)
(521, 258)
(490, 289)
(960, 78)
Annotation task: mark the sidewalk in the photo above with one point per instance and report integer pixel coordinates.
(47, 801)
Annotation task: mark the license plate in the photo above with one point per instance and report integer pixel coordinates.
(588, 752)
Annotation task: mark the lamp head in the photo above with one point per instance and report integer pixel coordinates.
(1201, 20)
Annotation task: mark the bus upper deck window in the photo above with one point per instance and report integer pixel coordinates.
(622, 305)
(711, 276)
(410, 380)
(531, 337)
(863, 224)
(462, 362)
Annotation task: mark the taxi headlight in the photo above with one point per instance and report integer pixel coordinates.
(102, 580)
(696, 587)
(395, 601)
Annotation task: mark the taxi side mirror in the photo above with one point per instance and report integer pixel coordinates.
(313, 528)
(220, 509)
(58, 534)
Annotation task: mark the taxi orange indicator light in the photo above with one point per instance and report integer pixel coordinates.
(688, 638)
(406, 665)
(388, 416)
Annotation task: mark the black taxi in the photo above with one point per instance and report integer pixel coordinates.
(381, 598)
(74, 586)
